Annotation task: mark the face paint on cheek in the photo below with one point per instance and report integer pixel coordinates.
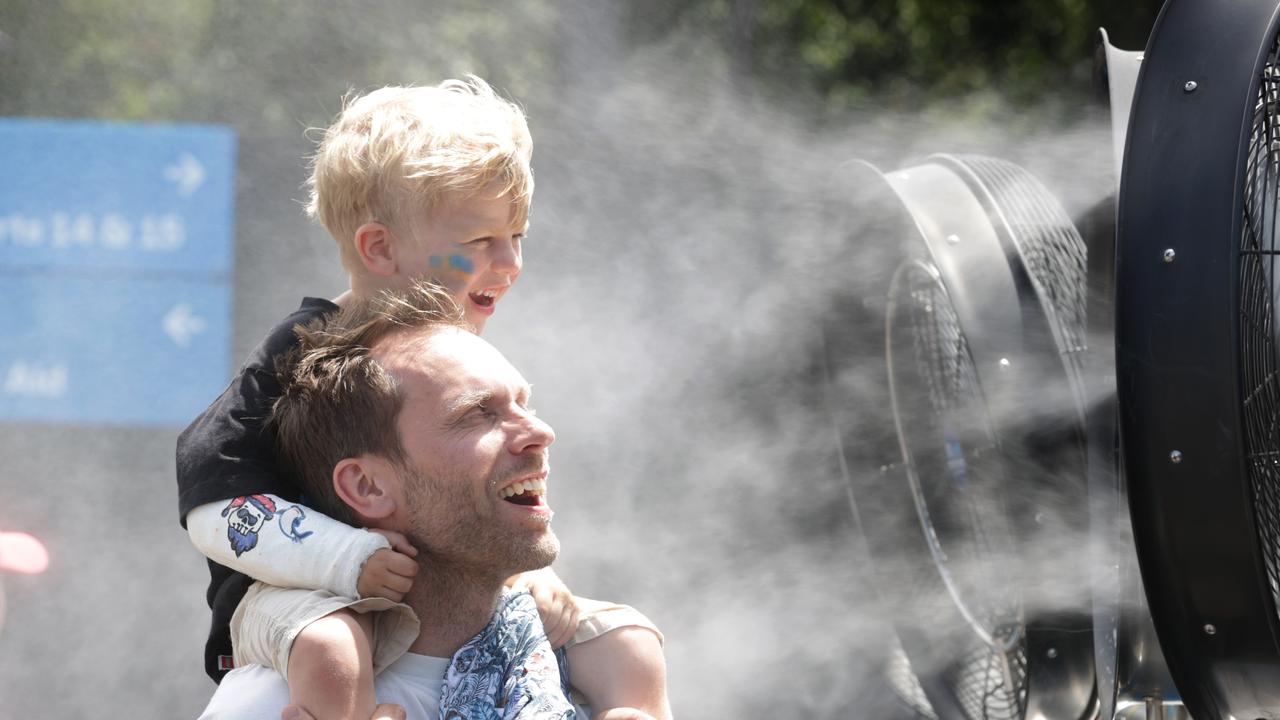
(462, 264)
(452, 271)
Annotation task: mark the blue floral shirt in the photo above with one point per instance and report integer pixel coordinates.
(508, 671)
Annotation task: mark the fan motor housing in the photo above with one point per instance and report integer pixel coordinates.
(1178, 355)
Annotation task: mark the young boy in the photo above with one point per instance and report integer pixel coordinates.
(411, 182)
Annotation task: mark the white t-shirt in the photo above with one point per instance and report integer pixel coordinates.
(254, 692)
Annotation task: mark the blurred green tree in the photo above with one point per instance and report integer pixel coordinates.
(267, 67)
(274, 65)
(904, 52)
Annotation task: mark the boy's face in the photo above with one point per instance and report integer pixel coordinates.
(470, 246)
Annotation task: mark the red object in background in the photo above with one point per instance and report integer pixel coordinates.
(20, 552)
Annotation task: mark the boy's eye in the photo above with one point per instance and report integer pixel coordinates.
(479, 241)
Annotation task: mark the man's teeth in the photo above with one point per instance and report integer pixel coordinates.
(536, 487)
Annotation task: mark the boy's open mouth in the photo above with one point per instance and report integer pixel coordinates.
(484, 299)
(531, 493)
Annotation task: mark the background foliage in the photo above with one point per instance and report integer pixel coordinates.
(212, 61)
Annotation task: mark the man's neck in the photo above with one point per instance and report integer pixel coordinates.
(453, 606)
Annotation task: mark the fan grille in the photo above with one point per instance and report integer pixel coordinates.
(904, 682)
(957, 477)
(991, 684)
(1050, 246)
(1258, 285)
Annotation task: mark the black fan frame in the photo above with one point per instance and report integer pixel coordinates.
(1178, 366)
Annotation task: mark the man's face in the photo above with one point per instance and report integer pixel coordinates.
(469, 245)
(476, 468)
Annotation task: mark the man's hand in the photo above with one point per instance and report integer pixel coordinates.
(556, 605)
(389, 573)
(382, 712)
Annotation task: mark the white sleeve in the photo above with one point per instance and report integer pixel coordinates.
(252, 692)
(282, 543)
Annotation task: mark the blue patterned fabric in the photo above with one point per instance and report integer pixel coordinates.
(508, 671)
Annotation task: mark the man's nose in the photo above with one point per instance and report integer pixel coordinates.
(506, 259)
(533, 434)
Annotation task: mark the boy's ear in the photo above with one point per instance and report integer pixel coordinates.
(376, 248)
(367, 484)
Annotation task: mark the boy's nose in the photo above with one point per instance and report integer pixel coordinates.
(506, 258)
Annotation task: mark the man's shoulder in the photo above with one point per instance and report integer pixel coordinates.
(256, 692)
(251, 692)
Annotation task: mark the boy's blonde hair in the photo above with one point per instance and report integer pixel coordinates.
(400, 151)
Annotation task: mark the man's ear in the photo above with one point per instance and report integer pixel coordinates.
(376, 248)
(368, 484)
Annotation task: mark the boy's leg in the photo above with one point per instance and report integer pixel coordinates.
(616, 662)
(326, 646)
(331, 667)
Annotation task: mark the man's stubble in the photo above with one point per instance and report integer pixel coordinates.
(450, 534)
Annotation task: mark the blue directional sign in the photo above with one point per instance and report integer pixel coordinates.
(116, 252)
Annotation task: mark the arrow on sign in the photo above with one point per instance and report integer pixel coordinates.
(187, 174)
(180, 325)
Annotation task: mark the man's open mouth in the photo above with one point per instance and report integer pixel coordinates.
(530, 493)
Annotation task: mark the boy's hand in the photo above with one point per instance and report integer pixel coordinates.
(389, 573)
(556, 605)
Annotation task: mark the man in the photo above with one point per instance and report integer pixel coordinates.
(397, 417)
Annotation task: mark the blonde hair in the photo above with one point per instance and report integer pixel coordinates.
(399, 151)
(336, 400)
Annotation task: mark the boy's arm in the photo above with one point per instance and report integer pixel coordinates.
(290, 545)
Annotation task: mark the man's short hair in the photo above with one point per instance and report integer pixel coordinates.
(401, 151)
(337, 401)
